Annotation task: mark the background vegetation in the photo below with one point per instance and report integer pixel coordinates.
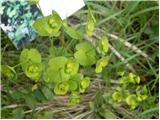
(127, 24)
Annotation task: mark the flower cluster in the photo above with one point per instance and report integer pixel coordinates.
(129, 92)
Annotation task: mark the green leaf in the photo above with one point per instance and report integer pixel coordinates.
(77, 77)
(17, 95)
(73, 32)
(57, 63)
(90, 23)
(107, 114)
(61, 88)
(18, 113)
(8, 71)
(58, 51)
(42, 27)
(29, 55)
(39, 95)
(73, 85)
(85, 54)
(101, 63)
(48, 115)
(30, 101)
(103, 44)
(56, 68)
(47, 93)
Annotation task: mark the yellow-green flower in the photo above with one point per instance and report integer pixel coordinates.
(134, 78)
(74, 99)
(84, 83)
(101, 63)
(55, 22)
(33, 70)
(90, 23)
(141, 93)
(61, 88)
(71, 67)
(132, 101)
(117, 97)
(103, 44)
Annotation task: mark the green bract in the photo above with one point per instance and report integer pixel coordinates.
(84, 83)
(90, 23)
(48, 26)
(30, 55)
(56, 68)
(141, 93)
(103, 44)
(30, 60)
(132, 101)
(85, 54)
(71, 67)
(74, 99)
(8, 71)
(101, 63)
(61, 88)
(117, 97)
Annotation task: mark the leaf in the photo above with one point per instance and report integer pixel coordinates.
(30, 101)
(18, 113)
(8, 71)
(57, 63)
(58, 51)
(85, 54)
(48, 115)
(47, 93)
(73, 85)
(90, 23)
(29, 55)
(107, 114)
(39, 95)
(17, 95)
(56, 68)
(101, 63)
(73, 32)
(44, 30)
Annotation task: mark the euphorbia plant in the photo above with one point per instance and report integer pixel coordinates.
(62, 71)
